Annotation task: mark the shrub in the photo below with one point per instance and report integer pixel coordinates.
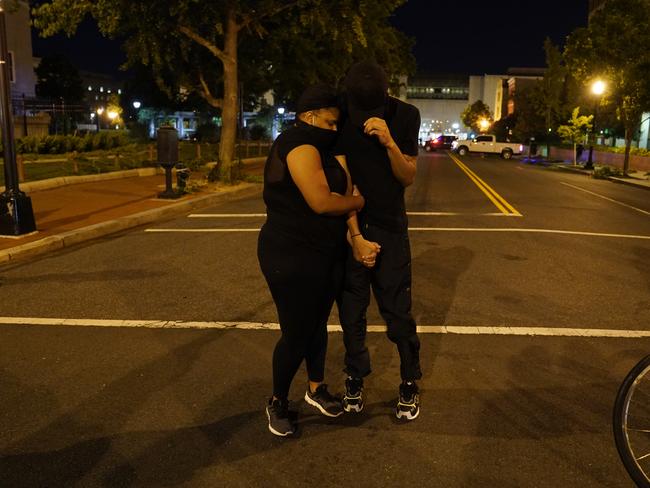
(603, 172)
(208, 133)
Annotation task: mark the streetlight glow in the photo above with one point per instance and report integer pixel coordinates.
(281, 110)
(112, 115)
(598, 87)
(137, 105)
(100, 110)
(484, 124)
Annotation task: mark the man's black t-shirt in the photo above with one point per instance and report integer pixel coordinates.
(370, 167)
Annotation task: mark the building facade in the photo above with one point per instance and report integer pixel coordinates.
(19, 44)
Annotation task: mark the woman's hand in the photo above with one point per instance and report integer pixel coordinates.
(365, 251)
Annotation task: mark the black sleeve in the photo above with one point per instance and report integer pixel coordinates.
(408, 143)
(288, 141)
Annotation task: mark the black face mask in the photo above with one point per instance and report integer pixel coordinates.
(321, 139)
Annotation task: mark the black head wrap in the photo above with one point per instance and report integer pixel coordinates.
(316, 97)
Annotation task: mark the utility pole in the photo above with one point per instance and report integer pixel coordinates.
(16, 214)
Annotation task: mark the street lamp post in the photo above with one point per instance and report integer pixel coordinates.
(100, 112)
(597, 88)
(16, 213)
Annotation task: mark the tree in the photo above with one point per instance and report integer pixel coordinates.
(474, 114)
(209, 48)
(615, 48)
(551, 92)
(577, 129)
(58, 79)
(530, 121)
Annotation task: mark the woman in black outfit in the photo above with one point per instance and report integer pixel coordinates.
(302, 248)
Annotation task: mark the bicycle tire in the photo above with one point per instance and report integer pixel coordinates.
(621, 408)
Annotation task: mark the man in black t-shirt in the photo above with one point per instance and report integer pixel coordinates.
(379, 138)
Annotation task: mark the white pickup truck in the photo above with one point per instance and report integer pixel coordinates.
(487, 144)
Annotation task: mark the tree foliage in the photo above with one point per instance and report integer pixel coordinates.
(474, 113)
(220, 48)
(57, 78)
(577, 128)
(614, 47)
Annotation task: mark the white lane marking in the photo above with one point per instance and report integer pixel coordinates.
(199, 230)
(225, 216)
(530, 231)
(422, 329)
(606, 198)
(416, 214)
(447, 229)
(453, 214)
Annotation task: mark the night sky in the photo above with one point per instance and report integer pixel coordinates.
(471, 36)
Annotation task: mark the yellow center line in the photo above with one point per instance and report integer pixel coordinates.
(498, 201)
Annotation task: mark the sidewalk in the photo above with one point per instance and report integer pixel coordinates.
(75, 213)
(638, 179)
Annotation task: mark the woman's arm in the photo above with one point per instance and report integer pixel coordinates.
(307, 172)
(364, 251)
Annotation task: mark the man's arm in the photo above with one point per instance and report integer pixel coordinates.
(403, 166)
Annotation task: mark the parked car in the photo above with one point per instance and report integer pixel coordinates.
(487, 144)
(440, 142)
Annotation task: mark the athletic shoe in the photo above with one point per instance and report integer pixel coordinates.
(408, 405)
(277, 411)
(324, 401)
(353, 399)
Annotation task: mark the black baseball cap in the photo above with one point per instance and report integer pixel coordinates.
(366, 86)
(316, 97)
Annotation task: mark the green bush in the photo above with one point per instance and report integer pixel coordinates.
(603, 172)
(59, 144)
(208, 133)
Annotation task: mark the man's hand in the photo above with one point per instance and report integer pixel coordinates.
(375, 126)
(365, 251)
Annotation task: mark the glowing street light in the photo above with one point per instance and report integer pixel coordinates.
(112, 115)
(598, 87)
(281, 110)
(137, 104)
(100, 110)
(484, 124)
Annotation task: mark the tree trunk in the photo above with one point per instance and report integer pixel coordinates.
(628, 145)
(229, 108)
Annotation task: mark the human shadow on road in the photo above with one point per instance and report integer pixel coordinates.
(87, 433)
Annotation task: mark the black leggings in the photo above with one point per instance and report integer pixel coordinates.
(304, 283)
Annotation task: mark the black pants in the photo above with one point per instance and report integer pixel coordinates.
(304, 283)
(391, 284)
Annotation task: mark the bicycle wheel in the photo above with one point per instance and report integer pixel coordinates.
(632, 422)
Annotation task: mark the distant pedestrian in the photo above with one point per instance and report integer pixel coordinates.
(379, 137)
(302, 246)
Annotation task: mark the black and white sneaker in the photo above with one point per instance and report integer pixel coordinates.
(353, 399)
(280, 423)
(324, 401)
(408, 405)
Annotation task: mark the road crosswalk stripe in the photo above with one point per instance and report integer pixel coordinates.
(441, 229)
(422, 329)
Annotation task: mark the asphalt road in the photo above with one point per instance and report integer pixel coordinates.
(128, 406)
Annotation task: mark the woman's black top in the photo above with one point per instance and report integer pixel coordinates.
(287, 210)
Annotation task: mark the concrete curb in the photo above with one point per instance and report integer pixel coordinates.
(51, 183)
(628, 182)
(615, 179)
(77, 236)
